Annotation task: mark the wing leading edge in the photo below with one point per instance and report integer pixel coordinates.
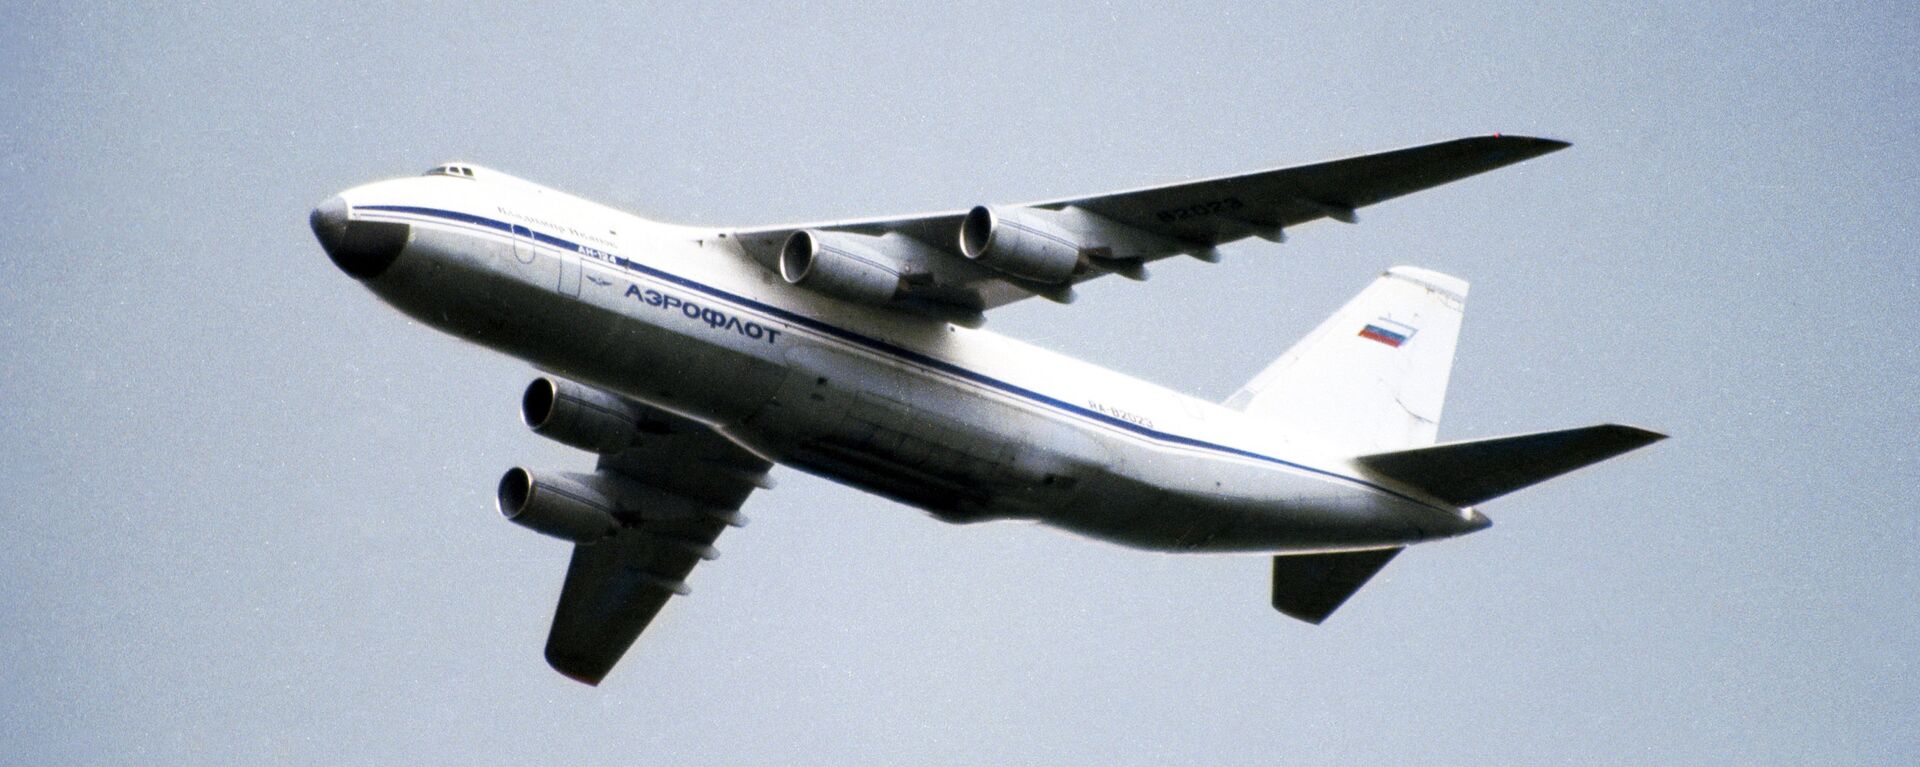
(1119, 232)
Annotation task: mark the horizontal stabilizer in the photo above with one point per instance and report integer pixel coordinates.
(1311, 586)
(1466, 473)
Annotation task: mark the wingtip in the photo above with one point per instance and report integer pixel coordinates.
(1631, 437)
(1650, 436)
(1536, 143)
(587, 673)
(586, 679)
(1311, 618)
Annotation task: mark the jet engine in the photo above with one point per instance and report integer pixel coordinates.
(579, 416)
(843, 265)
(569, 506)
(1022, 243)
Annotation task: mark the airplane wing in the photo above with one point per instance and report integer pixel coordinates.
(973, 260)
(693, 481)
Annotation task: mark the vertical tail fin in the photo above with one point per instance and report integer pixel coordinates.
(1372, 377)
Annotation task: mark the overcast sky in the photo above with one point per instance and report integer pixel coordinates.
(248, 507)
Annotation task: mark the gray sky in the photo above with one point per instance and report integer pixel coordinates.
(249, 507)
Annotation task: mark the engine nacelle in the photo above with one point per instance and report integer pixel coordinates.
(568, 506)
(1021, 243)
(579, 416)
(842, 265)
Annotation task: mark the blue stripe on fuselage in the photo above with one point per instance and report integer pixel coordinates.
(889, 349)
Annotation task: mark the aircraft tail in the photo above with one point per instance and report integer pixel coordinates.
(1373, 376)
(1467, 473)
(1311, 586)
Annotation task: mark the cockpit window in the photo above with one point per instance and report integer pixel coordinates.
(451, 170)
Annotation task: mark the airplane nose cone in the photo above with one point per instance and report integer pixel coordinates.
(363, 249)
(329, 222)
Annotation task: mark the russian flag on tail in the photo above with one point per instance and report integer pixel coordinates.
(1388, 332)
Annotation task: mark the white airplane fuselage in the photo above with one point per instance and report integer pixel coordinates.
(963, 423)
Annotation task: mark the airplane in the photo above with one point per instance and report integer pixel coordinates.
(691, 360)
